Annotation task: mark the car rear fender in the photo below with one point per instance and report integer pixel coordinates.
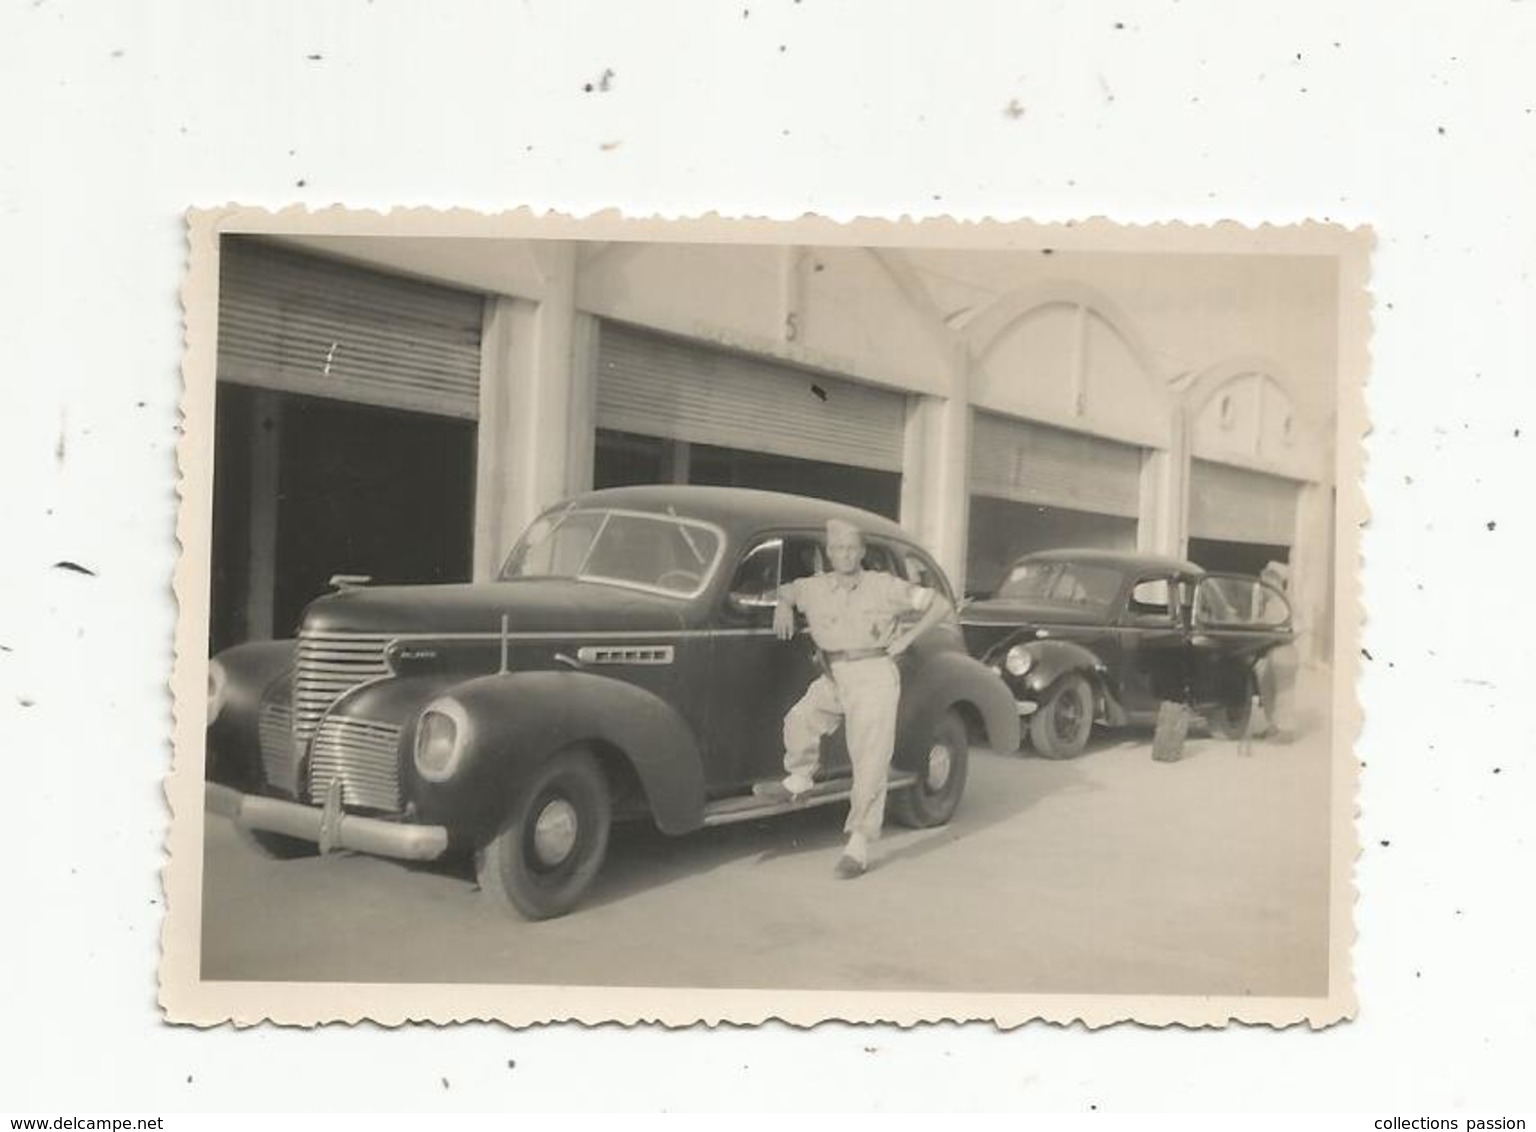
(518, 720)
(948, 680)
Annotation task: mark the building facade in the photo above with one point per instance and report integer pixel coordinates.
(402, 408)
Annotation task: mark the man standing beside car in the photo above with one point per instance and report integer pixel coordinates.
(861, 621)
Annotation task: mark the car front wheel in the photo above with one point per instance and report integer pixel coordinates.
(1060, 729)
(932, 800)
(552, 844)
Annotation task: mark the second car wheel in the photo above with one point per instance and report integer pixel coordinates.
(1233, 719)
(931, 801)
(553, 841)
(1060, 728)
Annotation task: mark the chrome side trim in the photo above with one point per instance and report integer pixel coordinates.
(625, 654)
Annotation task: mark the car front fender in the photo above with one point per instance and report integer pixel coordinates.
(249, 671)
(1051, 660)
(945, 680)
(517, 720)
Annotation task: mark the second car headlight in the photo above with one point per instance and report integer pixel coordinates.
(440, 738)
(1018, 661)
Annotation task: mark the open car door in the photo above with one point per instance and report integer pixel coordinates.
(1236, 620)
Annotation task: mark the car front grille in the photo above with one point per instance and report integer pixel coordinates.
(279, 761)
(361, 753)
(364, 755)
(331, 664)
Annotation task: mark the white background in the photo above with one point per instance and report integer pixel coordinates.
(1415, 118)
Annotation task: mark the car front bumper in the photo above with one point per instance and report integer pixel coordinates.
(329, 827)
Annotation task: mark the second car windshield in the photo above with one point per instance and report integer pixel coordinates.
(654, 552)
(1061, 583)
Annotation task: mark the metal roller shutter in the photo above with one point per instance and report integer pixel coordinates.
(1238, 505)
(302, 324)
(1032, 463)
(659, 386)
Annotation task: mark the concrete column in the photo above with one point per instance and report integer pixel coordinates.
(1164, 523)
(1312, 582)
(583, 420)
(527, 457)
(935, 490)
(261, 562)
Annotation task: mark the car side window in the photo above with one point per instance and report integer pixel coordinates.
(880, 556)
(1227, 599)
(918, 570)
(803, 556)
(1151, 600)
(756, 581)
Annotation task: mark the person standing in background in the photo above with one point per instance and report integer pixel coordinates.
(1276, 670)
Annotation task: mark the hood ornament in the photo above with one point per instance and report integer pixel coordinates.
(344, 582)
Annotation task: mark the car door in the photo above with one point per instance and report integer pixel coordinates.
(755, 677)
(1154, 644)
(1236, 619)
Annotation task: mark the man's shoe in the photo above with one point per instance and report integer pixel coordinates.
(848, 868)
(774, 792)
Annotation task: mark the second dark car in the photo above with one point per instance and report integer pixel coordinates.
(1086, 637)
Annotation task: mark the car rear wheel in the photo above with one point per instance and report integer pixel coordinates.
(941, 778)
(1060, 729)
(552, 844)
(1232, 719)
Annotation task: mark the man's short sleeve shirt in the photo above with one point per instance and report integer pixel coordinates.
(858, 613)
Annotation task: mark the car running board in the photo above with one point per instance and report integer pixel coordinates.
(749, 807)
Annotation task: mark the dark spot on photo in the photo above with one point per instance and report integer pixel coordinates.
(315, 57)
(1492, 524)
(74, 568)
(1385, 843)
(1367, 654)
(821, 394)
(300, 183)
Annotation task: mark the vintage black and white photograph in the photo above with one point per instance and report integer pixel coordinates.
(607, 620)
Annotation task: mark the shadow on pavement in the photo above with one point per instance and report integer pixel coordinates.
(642, 859)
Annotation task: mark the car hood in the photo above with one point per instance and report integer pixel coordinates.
(531, 605)
(988, 624)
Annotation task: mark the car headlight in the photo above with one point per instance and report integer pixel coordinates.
(440, 739)
(218, 690)
(1018, 661)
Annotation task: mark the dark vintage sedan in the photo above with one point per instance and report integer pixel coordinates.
(623, 665)
(1087, 637)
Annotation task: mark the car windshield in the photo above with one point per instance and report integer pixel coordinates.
(1061, 583)
(660, 553)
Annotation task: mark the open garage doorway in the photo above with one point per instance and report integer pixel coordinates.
(1001, 530)
(1236, 557)
(306, 488)
(624, 458)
